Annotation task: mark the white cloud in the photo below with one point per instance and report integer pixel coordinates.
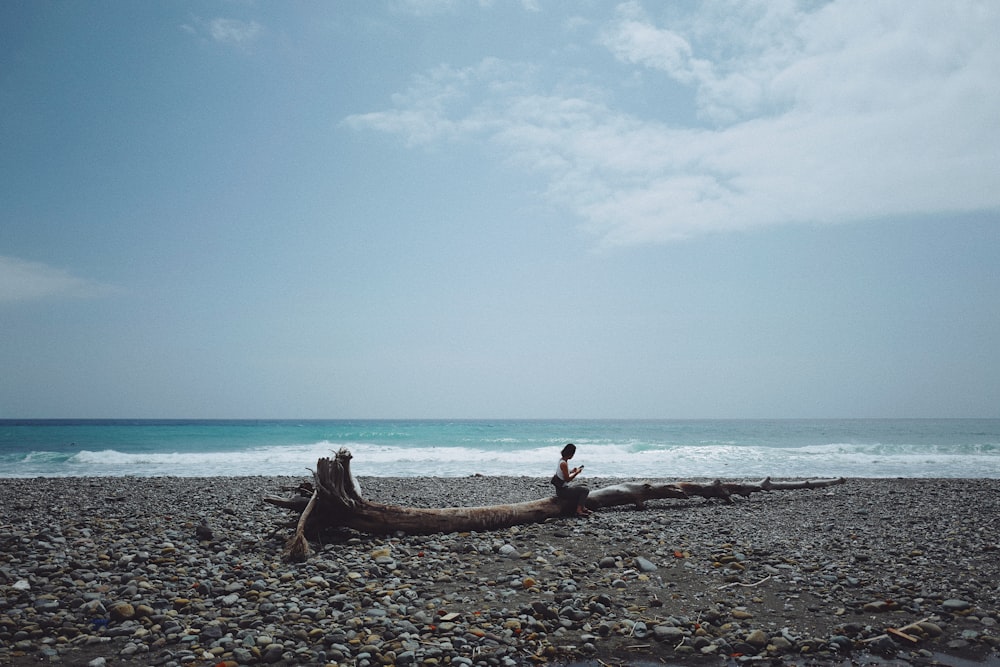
(854, 110)
(232, 32)
(22, 280)
(633, 39)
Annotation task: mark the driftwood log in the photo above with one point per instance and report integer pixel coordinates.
(333, 500)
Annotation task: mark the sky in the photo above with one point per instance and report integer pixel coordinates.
(499, 209)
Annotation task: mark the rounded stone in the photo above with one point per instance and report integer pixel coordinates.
(122, 611)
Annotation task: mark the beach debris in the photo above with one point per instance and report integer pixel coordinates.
(334, 500)
(902, 635)
(907, 633)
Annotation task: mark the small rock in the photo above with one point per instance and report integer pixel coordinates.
(122, 611)
(203, 533)
(883, 645)
(956, 605)
(645, 565)
(46, 605)
(273, 653)
(932, 629)
(668, 633)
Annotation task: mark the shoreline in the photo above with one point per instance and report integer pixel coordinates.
(112, 567)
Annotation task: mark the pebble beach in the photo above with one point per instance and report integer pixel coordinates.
(188, 571)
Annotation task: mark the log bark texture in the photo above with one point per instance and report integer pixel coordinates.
(333, 500)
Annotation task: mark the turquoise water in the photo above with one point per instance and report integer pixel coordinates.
(609, 448)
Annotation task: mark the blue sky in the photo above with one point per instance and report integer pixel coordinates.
(500, 209)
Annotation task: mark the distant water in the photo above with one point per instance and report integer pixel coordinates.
(676, 449)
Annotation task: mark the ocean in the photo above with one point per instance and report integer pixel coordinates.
(632, 449)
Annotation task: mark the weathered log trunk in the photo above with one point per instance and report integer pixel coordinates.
(334, 501)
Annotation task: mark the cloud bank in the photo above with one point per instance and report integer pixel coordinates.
(806, 113)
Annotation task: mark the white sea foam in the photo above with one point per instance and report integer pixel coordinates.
(608, 460)
(674, 450)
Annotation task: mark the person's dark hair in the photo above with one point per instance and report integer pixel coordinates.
(570, 448)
